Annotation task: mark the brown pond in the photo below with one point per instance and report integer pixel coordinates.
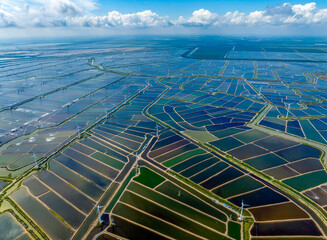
(278, 212)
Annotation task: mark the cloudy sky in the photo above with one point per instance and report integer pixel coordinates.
(26, 18)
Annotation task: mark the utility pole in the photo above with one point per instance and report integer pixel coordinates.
(78, 131)
(157, 128)
(137, 160)
(35, 161)
(106, 111)
(112, 223)
(288, 109)
(240, 218)
(137, 164)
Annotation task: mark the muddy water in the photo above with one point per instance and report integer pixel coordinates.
(292, 228)
(278, 212)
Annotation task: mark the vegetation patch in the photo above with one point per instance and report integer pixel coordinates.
(149, 178)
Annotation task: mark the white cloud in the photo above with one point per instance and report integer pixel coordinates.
(61, 7)
(79, 13)
(42, 13)
(233, 18)
(116, 19)
(257, 17)
(201, 17)
(6, 19)
(307, 14)
(281, 14)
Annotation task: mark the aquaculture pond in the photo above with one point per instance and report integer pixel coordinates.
(54, 227)
(10, 228)
(278, 212)
(169, 135)
(308, 228)
(3, 184)
(170, 206)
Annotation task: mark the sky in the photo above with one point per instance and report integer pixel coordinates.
(52, 18)
(176, 8)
